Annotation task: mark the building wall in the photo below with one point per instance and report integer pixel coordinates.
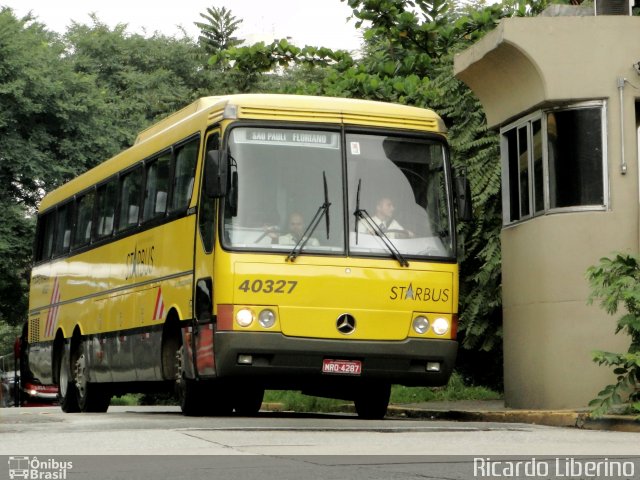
(549, 330)
(527, 62)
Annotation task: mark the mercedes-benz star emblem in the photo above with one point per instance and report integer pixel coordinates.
(346, 324)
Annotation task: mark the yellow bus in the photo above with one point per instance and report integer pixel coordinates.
(252, 242)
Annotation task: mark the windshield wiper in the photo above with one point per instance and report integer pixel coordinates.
(362, 214)
(322, 210)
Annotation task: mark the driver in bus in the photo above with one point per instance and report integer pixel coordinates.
(383, 218)
(297, 226)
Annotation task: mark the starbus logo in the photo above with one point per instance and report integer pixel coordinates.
(35, 469)
(420, 294)
(139, 262)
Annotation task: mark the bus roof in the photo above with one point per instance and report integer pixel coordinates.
(292, 108)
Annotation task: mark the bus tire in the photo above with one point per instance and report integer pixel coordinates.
(97, 399)
(189, 392)
(248, 400)
(190, 398)
(92, 397)
(371, 403)
(216, 398)
(67, 393)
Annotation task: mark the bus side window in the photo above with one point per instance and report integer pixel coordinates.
(130, 195)
(63, 230)
(44, 245)
(84, 217)
(184, 175)
(156, 187)
(107, 197)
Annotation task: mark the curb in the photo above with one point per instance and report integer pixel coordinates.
(551, 418)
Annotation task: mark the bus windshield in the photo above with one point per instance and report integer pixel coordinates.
(397, 184)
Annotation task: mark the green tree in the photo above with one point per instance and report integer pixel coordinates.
(66, 104)
(8, 335)
(47, 122)
(247, 67)
(216, 34)
(16, 232)
(144, 78)
(615, 283)
(47, 112)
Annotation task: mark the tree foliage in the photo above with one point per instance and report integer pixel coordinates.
(615, 284)
(66, 104)
(143, 78)
(216, 33)
(44, 112)
(47, 124)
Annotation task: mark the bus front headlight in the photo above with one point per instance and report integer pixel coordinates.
(440, 326)
(420, 324)
(244, 317)
(267, 318)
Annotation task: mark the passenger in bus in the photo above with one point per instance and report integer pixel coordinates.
(297, 226)
(383, 218)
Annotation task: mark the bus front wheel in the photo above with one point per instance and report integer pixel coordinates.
(248, 400)
(372, 401)
(189, 392)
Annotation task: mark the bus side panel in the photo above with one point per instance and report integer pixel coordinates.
(41, 317)
(159, 273)
(40, 355)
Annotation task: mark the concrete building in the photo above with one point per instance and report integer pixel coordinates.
(564, 92)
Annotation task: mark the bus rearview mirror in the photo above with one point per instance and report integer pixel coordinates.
(463, 198)
(215, 174)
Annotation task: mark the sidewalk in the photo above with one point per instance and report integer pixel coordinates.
(495, 411)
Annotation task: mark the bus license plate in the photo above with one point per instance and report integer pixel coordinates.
(342, 367)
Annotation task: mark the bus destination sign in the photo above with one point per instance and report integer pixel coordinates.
(306, 138)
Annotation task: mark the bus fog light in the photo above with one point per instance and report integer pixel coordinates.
(245, 359)
(420, 324)
(244, 317)
(441, 326)
(433, 366)
(267, 318)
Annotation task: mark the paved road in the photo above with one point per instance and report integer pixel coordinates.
(282, 445)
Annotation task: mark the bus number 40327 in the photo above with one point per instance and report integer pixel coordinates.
(268, 286)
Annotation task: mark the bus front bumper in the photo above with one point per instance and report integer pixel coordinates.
(278, 361)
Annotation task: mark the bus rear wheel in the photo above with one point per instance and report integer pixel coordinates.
(92, 397)
(67, 394)
(372, 401)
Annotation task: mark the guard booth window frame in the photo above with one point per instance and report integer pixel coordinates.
(542, 171)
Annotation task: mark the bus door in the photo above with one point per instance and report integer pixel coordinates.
(203, 327)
